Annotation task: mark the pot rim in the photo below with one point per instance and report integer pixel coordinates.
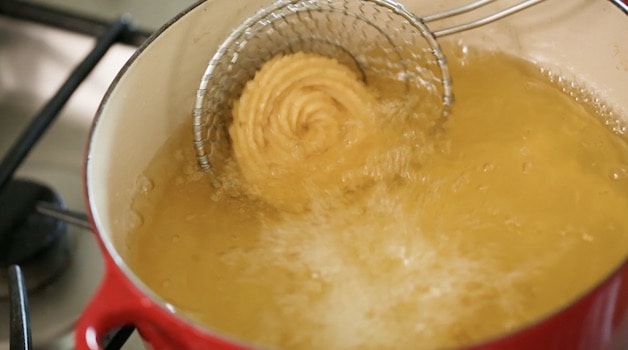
(165, 306)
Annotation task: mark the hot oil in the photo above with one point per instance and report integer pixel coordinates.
(513, 209)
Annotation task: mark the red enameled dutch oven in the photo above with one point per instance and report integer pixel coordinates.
(584, 40)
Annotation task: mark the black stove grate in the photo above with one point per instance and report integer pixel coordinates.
(73, 22)
(108, 33)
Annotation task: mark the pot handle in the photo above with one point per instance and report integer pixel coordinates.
(116, 304)
(112, 306)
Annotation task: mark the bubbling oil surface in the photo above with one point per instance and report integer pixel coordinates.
(510, 209)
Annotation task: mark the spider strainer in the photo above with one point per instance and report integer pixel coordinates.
(372, 37)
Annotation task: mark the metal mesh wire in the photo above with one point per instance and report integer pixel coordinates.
(372, 37)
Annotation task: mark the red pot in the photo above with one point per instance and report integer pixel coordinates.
(154, 93)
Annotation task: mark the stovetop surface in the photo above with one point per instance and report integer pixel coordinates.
(34, 62)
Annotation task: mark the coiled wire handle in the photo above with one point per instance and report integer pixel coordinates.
(372, 37)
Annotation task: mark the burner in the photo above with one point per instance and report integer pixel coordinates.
(39, 244)
(55, 306)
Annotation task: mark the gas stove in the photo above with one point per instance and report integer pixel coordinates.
(40, 47)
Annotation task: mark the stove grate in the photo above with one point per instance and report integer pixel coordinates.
(108, 33)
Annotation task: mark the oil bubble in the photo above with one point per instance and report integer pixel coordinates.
(216, 196)
(617, 174)
(179, 155)
(435, 291)
(526, 167)
(195, 176)
(133, 220)
(189, 169)
(579, 93)
(145, 184)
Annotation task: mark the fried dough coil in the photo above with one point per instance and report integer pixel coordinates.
(298, 127)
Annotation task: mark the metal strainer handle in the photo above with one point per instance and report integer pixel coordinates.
(477, 22)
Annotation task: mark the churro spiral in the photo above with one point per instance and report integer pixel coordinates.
(299, 126)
